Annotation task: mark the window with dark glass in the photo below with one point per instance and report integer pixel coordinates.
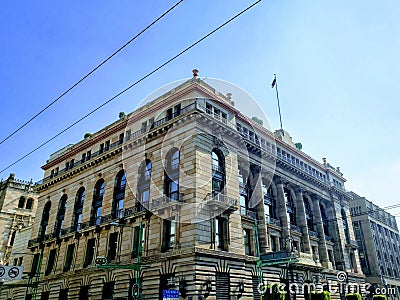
(50, 262)
(21, 202)
(29, 203)
(218, 172)
(107, 146)
(168, 114)
(98, 202)
(63, 294)
(269, 203)
(177, 110)
(290, 208)
(45, 295)
(121, 139)
(91, 244)
(309, 214)
(135, 244)
(60, 216)
(108, 291)
(45, 220)
(78, 208)
(144, 184)
(325, 221)
(101, 148)
(119, 195)
(243, 194)
(83, 159)
(88, 155)
(171, 175)
(35, 264)
(12, 238)
(169, 231)
(221, 233)
(247, 241)
(84, 292)
(345, 226)
(112, 246)
(69, 258)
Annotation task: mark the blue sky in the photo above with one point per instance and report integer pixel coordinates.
(337, 65)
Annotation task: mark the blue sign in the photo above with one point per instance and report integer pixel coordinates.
(170, 294)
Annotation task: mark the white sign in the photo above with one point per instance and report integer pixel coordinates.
(10, 272)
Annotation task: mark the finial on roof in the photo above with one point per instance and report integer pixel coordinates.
(229, 96)
(195, 73)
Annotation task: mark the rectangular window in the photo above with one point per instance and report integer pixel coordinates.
(83, 157)
(177, 110)
(121, 139)
(112, 246)
(63, 294)
(221, 233)
(45, 296)
(169, 228)
(20, 261)
(52, 174)
(101, 148)
(135, 244)
(247, 241)
(128, 135)
(51, 261)
(273, 244)
(151, 122)
(107, 146)
(144, 126)
(88, 155)
(69, 258)
(89, 252)
(67, 165)
(168, 114)
(71, 164)
(108, 291)
(34, 266)
(56, 171)
(84, 293)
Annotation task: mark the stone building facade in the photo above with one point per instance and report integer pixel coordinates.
(18, 202)
(204, 190)
(378, 238)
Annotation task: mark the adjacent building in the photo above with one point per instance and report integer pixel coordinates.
(18, 202)
(378, 238)
(187, 193)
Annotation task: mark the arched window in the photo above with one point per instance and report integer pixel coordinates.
(218, 172)
(29, 203)
(45, 220)
(21, 202)
(78, 208)
(290, 208)
(119, 195)
(97, 202)
(60, 216)
(345, 225)
(171, 175)
(144, 184)
(309, 214)
(269, 203)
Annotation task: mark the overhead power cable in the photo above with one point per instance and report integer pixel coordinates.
(90, 73)
(132, 85)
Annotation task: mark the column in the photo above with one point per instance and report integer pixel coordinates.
(323, 251)
(301, 220)
(281, 207)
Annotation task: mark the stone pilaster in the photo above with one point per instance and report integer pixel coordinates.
(281, 207)
(323, 251)
(301, 221)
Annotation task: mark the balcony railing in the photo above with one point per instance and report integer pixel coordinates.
(328, 238)
(221, 198)
(163, 200)
(273, 221)
(248, 213)
(294, 228)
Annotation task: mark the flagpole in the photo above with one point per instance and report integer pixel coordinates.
(277, 98)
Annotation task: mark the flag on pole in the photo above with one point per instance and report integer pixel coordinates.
(273, 83)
